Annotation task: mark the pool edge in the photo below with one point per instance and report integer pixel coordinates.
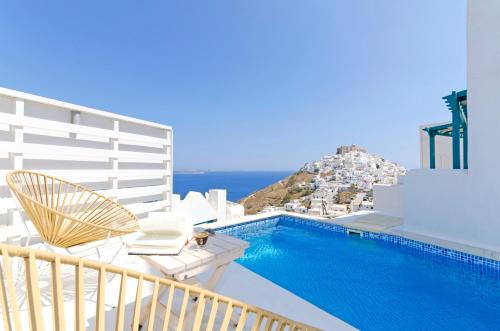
(435, 247)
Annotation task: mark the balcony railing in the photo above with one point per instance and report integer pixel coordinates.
(40, 290)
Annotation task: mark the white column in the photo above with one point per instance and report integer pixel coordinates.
(481, 225)
(217, 199)
(114, 160)
(17, 136)
(168, 179)
(16, 156)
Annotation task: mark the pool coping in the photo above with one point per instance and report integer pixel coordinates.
(268, 295)
(469, 255)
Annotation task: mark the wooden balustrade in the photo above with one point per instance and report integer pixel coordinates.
(181, 306)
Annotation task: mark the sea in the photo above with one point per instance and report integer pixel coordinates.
(238, 184)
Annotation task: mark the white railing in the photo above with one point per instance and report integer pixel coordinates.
(124, 158)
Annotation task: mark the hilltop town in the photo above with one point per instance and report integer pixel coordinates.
(332, 186)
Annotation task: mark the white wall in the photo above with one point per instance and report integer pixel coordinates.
(234, 210)
(483, 83)
(443, 148)
(217, 199)
(388, 199)
(435, 204)
(127, 159)
(452, 205)
(463, 205)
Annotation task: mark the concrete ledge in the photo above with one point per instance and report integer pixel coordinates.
(474, 250)
(243, 284)
(374, 222)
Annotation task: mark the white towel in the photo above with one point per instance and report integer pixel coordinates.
(165, 223)
(156, 245)
(144, 240)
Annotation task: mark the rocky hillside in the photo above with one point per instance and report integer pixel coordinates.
(277, 194)
(331, 180)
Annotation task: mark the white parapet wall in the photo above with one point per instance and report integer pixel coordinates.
(124, 158)
(388, 199)
(438, 203)
(213, 206)
(217, 199)
(234, 210)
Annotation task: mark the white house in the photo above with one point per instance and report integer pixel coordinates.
(337, 210)
(361, 205)
(291, 206)
(301, 210)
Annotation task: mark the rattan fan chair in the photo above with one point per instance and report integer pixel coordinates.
(67, 214)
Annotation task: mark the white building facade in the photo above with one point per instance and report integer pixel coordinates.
(461, 204)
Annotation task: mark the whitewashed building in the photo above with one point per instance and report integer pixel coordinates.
(439, 200)
(291, 206)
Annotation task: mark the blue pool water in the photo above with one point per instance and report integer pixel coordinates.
(372, 284)
(238, 184)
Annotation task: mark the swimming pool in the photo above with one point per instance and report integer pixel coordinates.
(374, 283)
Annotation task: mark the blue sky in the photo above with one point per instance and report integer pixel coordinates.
(247, 85)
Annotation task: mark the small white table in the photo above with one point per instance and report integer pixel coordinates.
(193, 260)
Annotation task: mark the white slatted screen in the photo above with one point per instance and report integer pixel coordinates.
(124, 158)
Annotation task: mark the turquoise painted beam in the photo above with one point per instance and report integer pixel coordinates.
(457, 103)
(455, 136)
(432, 150)
(465, 146)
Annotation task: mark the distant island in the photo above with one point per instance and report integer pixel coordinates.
(189, 172)
(331, 186)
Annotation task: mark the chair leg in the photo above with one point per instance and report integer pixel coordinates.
(28, 238)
